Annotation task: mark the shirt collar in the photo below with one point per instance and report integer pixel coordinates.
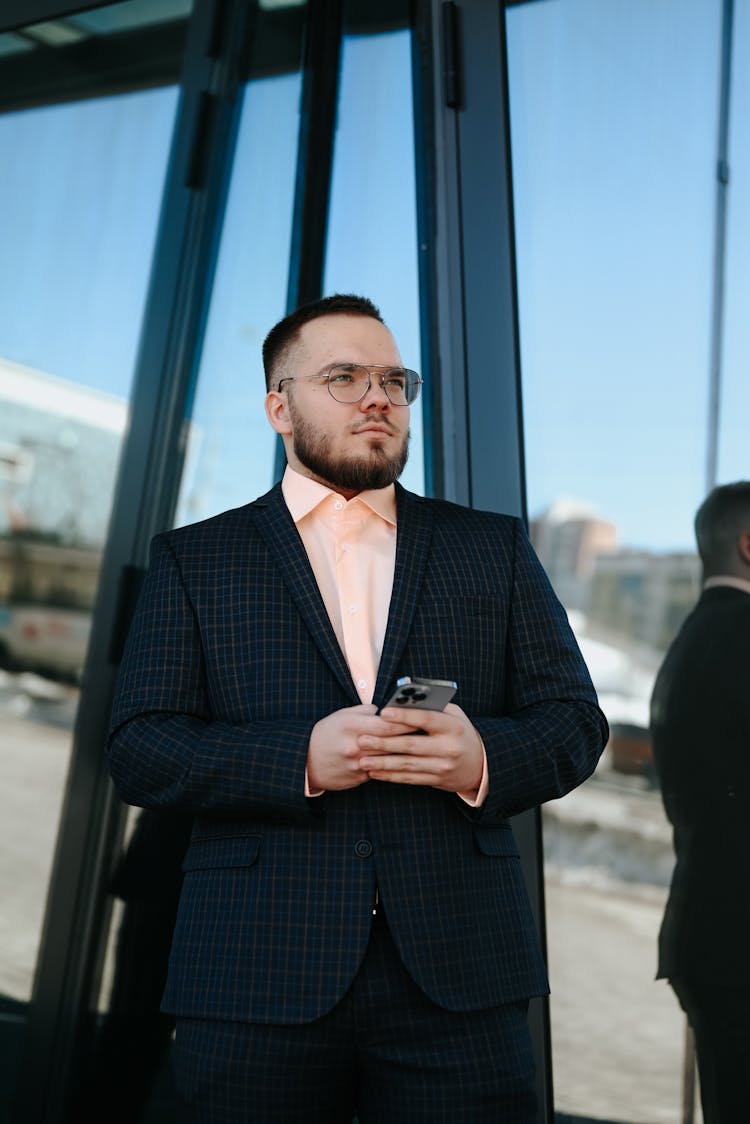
(727, 580)
(302, 495)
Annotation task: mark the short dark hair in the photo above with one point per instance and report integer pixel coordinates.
(285, 332)
(719, 521)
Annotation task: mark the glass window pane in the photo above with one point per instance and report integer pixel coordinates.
(372, 234)
(734, 463)
(614, 108)
(231, 449)
(79, 203)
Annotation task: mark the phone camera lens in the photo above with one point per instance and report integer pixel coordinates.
(418, 696)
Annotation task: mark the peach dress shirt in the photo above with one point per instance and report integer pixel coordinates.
(351, 545)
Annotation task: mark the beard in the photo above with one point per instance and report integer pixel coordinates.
(357, 474)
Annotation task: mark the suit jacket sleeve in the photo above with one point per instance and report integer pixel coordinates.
(552, 731)
(166, 748)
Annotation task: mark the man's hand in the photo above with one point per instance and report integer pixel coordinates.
(334, 751)
(450, 756)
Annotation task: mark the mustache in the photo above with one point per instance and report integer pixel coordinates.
(382, 423)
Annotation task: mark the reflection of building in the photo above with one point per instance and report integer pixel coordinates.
(644, 596)
(639, 596)
(625, 606)
(59, 447)
(569, 537)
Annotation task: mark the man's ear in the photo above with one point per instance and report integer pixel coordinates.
(277, 412)
(743, 545)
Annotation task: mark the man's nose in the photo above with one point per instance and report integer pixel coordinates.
(376, 397)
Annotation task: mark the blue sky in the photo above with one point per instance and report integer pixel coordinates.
(614, 108)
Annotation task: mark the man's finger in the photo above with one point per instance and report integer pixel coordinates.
(415, 718)
(428, 780)
(404, 745)
(402, 763)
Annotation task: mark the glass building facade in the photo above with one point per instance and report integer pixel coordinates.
(546, 199)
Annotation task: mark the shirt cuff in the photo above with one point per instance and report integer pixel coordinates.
(310, 791)
(477, 799)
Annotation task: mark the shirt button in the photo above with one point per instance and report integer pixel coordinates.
(363, 848)
(352, 609)
(338, 505)
(362, 683)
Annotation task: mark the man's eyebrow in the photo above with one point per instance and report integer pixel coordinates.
(335, 363)
(366, 366)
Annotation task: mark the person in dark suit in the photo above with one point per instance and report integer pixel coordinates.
(700, 722)
(353, 933)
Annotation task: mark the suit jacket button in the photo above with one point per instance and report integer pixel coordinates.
(363, 848)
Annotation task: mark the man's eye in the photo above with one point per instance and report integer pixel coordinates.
(341, 378)
(395, 378)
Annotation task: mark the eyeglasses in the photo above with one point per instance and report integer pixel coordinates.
(350, 382)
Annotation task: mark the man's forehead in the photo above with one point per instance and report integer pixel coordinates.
(329, 336)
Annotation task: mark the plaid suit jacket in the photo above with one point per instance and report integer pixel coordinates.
(231, 660)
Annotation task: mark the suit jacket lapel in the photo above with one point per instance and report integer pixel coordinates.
(271, 517)
(414, 535)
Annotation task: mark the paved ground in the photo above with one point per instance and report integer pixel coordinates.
(617, 1035)
(34, 766)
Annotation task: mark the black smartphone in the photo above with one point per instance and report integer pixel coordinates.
(422, 694)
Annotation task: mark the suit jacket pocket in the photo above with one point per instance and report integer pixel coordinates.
(237, 850)
(496, 841)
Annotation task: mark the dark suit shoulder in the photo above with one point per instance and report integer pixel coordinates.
(216, 528)
(723, 600)
(721, 613)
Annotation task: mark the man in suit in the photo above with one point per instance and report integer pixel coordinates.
(354, 932)
(700, 720)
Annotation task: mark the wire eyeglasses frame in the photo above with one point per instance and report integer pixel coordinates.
(349, 383)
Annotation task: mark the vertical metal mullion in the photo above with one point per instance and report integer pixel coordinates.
(493, 358)
(320, 86)
(470, 311)
(322, 71)
(440, 228)
(716, 350)
(68, 968)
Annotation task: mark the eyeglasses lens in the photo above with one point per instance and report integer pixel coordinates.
(351, 383)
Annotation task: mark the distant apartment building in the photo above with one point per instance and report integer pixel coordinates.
(644, 596)
(638, 596)
(569, 538)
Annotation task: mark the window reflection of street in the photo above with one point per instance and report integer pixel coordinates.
(617, 1035)
(36, 716)
(34, 698)
(607, 845)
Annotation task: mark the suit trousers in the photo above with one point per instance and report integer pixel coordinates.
(385, 1053)
(718, 1014)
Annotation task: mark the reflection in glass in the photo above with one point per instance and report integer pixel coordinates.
(735, 392)
(231, 448)
(613, 120)
(79, 203)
